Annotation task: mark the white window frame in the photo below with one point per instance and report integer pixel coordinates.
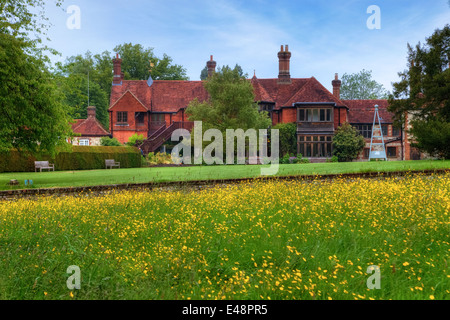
(83, 142)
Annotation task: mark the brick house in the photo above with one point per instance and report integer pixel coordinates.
(156, 110)
(90, 130)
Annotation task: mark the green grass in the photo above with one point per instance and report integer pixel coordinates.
(249, 241)
(162, 174)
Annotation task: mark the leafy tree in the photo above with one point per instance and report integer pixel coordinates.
(238, 68)
(231, 104)
(424, 93)
(34, 119)
(75, 90)
(204, 73)
(110, 142)
(288, 138)
(136, 64)
(347, 143)
(135, 138)
(360, 86)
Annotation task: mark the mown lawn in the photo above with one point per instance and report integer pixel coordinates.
(143, 175)
(260, 240)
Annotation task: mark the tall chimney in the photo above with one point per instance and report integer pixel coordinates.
(91, 112)
(284, 57)
(211, 65)
(336, 86)
(118, 74)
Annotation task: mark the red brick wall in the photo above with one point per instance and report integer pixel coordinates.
(128, 103)
(289, 115)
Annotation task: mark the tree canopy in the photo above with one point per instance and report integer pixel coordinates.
(30, 102)
(423, 92)
(361, 86)
(136, 64)
(231, 105)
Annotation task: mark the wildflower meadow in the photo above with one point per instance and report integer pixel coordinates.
(279, 240)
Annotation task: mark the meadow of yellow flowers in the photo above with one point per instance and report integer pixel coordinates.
(254, 240)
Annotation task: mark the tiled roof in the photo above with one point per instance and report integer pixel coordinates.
(163, 95)
(172, 95)
(362, 111)
(89, 127)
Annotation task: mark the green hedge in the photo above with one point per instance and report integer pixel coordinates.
(80, 158)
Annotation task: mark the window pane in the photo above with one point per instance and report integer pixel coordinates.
(308, 115)
(315, 115)
(308, 150)
(315, 138)
(315, 150)
(322, 114)
(328, 114)
(302, 115)
(308, 138)
(302, 148)
(302, 138)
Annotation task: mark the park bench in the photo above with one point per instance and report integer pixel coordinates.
(43, 165)
(111, 163)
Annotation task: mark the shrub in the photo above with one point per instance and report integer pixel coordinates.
(110, 142)
(134, 139)
(347, 143)
(78, 158)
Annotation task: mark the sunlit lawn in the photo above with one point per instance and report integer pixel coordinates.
(160, 174)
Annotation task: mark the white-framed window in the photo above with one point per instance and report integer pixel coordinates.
(84, 142)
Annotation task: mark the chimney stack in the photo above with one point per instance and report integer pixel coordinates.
(211, 65)
(336, 86)
(91, 112)
(284, 57)
(118, 74)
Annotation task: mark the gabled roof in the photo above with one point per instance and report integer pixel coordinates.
(134, 97)
(172, 95)
(89, 127)
(362, 111)
(300, 90)
(163, 95)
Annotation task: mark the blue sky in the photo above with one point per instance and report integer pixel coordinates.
(325, 37)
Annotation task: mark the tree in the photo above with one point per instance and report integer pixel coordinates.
(231, 104)
(136, 64)
(288, 138)
(135, 138)
(110, 142)
(347, 143)
(204, 73)
(34, 119)
(238, 68)
(423, 93)
(360, 86)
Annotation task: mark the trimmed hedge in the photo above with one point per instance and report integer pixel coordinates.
(80, 158)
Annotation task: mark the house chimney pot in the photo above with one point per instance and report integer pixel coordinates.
(118, 74)
(284, 57)
(91, 112)
(211, 66)
(336, 86)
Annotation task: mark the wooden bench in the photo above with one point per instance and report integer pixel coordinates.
(111, 163)
(43, 165)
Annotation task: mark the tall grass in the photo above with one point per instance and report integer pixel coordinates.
(271, 240)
